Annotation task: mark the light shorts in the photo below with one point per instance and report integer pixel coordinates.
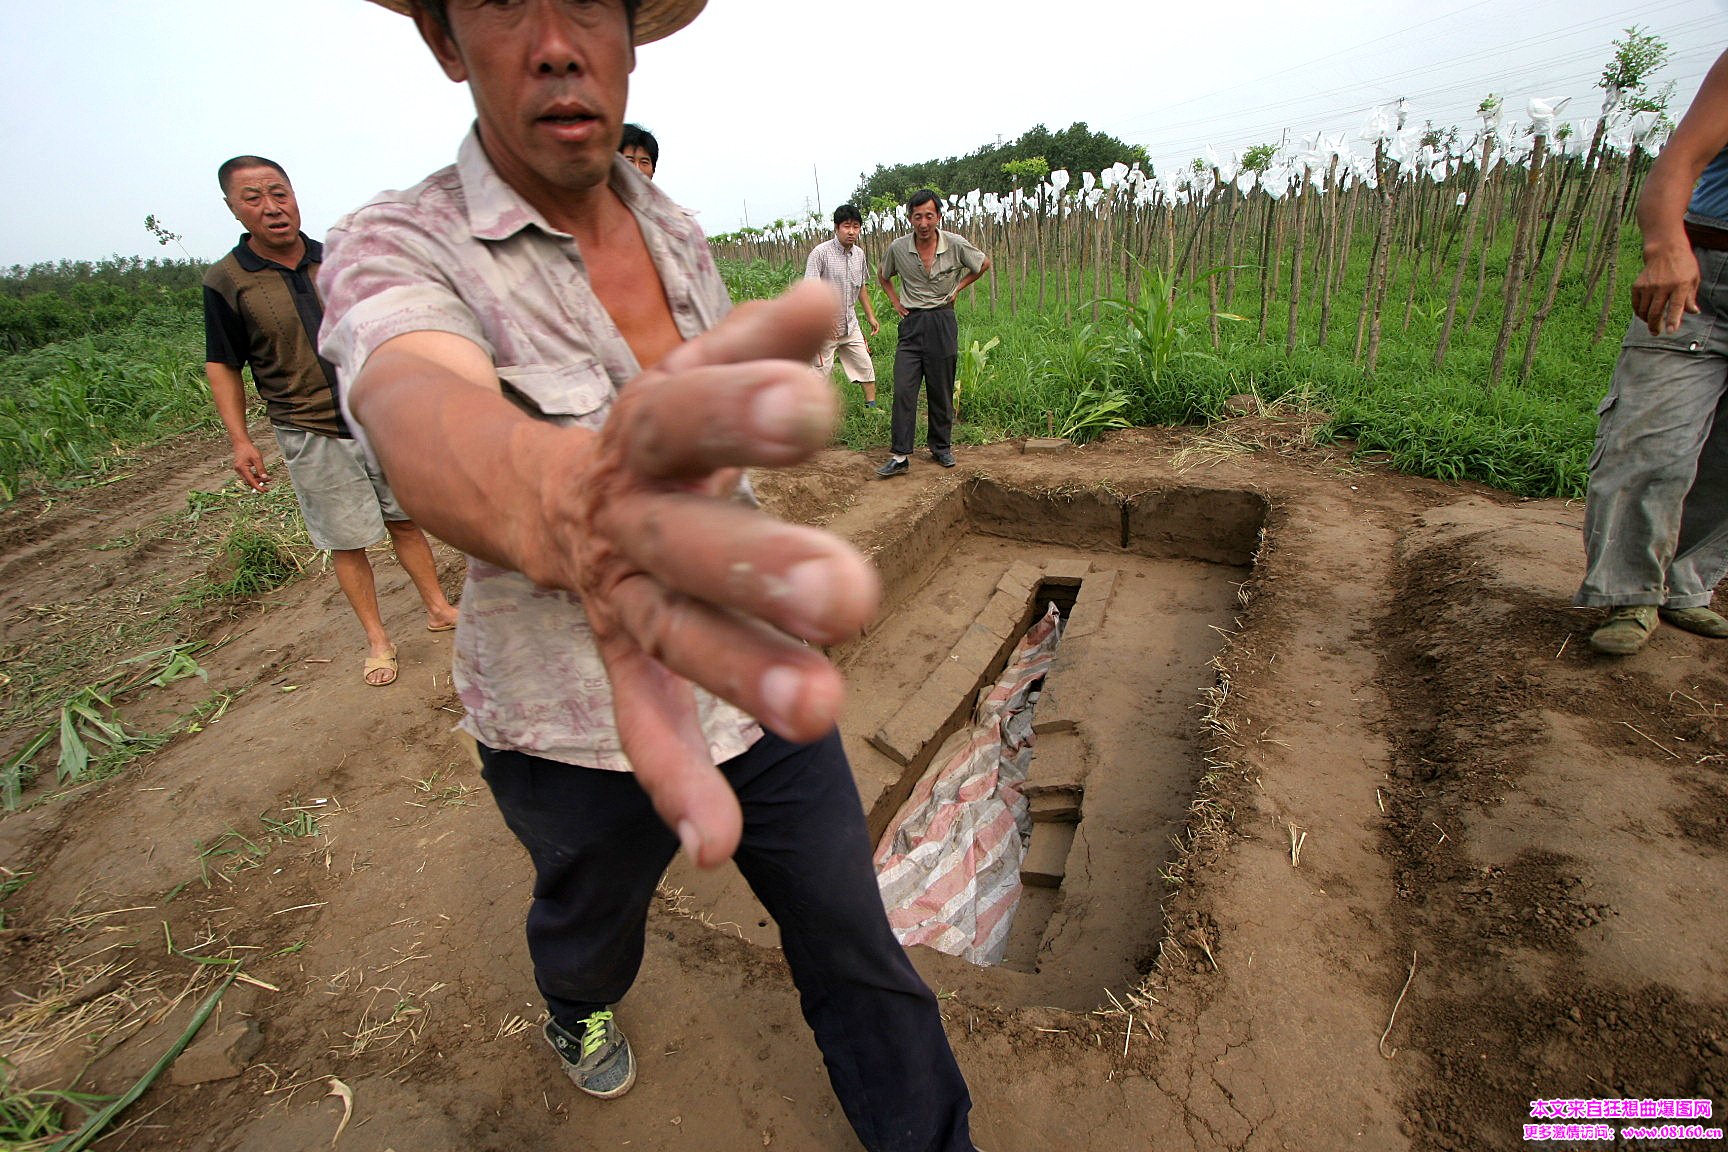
(854, 357)
(342, 495)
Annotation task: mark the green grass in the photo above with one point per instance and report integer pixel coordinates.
(67, 410)
(38, 1120)
(70, 409)
(1151, 361)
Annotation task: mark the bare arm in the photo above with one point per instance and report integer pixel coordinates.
(970, 279)
(869, 308)
(228, 390)
(679, 582)
(893, 296)
(1667, 288)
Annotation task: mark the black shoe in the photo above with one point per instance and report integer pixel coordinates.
(942, 456)
(895, 467)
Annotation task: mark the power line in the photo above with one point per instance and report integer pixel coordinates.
(1259, 120)
(1394, 83)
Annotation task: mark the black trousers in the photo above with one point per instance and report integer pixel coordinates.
(599, 849)
(929, 352)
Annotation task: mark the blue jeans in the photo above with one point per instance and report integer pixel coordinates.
(599, 849)
(1656, 518)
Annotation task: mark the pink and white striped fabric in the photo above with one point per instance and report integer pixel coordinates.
(949, 863)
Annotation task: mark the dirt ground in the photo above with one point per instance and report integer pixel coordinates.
(1373, 851)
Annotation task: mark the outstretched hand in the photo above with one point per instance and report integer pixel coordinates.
(683, 584)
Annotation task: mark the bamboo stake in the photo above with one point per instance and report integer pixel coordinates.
(1472, 218)
(1521, 235)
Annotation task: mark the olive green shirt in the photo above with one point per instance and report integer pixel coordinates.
(955, 257)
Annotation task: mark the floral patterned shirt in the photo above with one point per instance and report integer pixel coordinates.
(462, 252)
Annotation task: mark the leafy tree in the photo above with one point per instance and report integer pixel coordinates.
(1259, 157)
(48, 302)
(1635, 59)
(1076, 148)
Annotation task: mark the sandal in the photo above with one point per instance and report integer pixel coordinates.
(386, 664)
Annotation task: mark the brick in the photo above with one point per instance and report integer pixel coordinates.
(1058, 806)
(1087, 615)
(1062, 703)
(1066, 573)
(1047, 444)
(1020, 579)
(952, 686)
(1099, 586)
(1004, 616)
(976, 652)
(1046, 860)
(1083, 620)
(1059, 763)
(1050, 715)
(892, 740)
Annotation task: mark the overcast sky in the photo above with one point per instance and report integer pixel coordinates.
(114, 109)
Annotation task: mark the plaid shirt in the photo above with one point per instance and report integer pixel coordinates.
(462, 252)
(847, 271)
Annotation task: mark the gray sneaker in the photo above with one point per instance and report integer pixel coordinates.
(1625, 630)
(599, 1060)
(1698, 621)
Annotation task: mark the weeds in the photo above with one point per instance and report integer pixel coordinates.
(36, 1120)
(93, 742)
(438, 788)
(11, 883)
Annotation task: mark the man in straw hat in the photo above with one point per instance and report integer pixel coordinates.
(536, 345)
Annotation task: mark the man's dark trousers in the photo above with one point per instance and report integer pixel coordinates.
(599, 850)
(929, 350)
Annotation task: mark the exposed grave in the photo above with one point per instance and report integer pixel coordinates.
(1115, 757)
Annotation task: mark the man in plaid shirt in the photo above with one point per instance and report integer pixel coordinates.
(841, 262)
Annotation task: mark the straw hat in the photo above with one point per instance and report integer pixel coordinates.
(655, 19)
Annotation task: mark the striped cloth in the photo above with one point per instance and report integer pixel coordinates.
(949, 864)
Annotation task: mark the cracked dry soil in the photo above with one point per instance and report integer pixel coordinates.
(1378, 739)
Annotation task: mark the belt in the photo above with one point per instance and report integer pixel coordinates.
(1704, 236)
(950, 307)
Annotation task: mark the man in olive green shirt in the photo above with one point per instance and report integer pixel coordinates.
(933, 267)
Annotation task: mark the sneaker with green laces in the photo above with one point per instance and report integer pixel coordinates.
(599, 1060)
(1698, 621)
(1625, 631)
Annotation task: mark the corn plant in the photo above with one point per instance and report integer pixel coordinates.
(1096, 411)
(973, 361)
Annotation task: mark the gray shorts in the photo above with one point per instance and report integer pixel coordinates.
(342, 495)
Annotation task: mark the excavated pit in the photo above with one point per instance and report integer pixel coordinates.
(1148, 587)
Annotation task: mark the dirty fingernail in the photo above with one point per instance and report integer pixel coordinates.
(789, 414)
(780, 696)
(691, 840)
(807, 589)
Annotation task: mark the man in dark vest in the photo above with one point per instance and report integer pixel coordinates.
(262, 308)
